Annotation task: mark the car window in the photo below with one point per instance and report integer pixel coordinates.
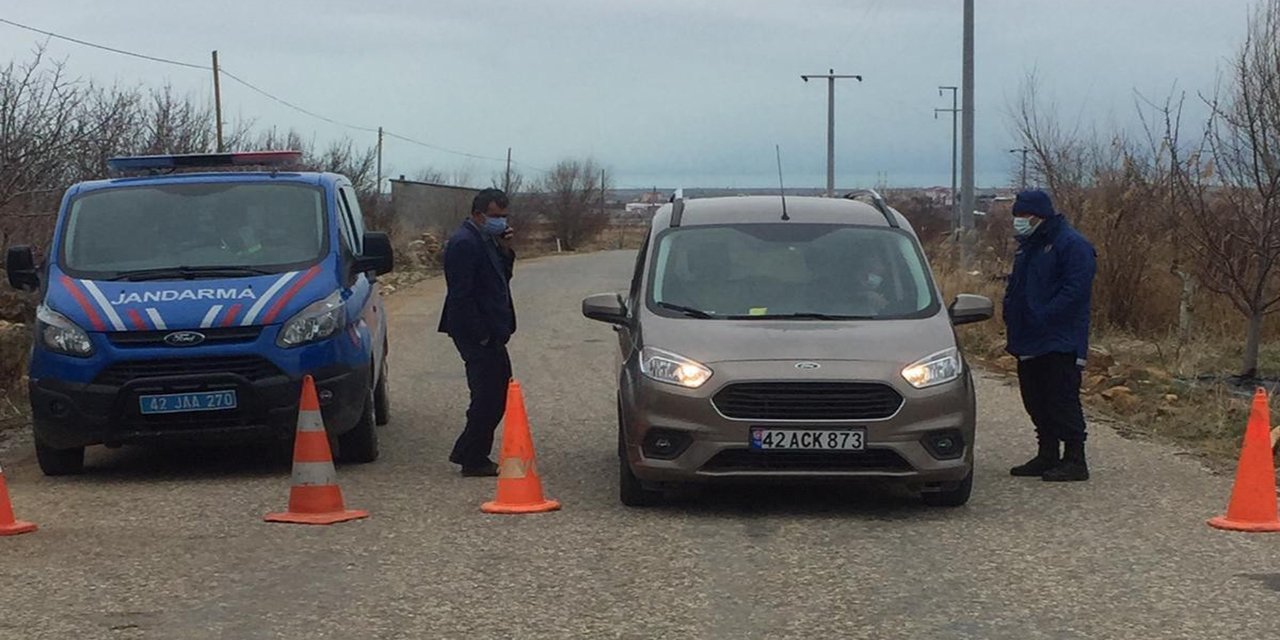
(264, 226)
(767, 270)
(345, 224)
(356, 219)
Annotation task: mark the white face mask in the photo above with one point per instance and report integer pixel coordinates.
(1022, 226)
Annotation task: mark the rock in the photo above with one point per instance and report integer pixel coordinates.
(1007, 363)
(1126, 404)
(1099, 360)
(1116, 391)
(1170, 398)
(1094, 383)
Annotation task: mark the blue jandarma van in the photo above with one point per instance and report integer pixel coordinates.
(184, 305)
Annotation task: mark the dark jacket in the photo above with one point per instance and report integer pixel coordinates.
(477, 272)
(1046, 303)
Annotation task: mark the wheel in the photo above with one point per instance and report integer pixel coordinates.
(360, 444)
(956, 497)
(382, 397)
(631, 491)
(60, 462)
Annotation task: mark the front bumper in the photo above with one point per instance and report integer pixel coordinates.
(713, 447)
(71, 414)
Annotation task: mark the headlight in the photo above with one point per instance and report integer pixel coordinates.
(936, 369)
(316, 322)
(670, 368)
(60, 335)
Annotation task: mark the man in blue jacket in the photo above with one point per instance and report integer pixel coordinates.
(1046, 313)
(480, 317)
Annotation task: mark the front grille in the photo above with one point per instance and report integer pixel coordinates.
(212, 335)
(808, 401)
(748, 460)
(252, 367)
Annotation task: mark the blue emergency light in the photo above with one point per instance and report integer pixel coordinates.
(181, 161)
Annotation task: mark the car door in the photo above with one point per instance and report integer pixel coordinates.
(629, 334)
(364, 302)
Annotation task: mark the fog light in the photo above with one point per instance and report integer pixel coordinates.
(945, 445)
(665, 444)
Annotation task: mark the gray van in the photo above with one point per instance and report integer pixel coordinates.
(799, 340)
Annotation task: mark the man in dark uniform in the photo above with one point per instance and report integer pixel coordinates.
(1046, 312)
(480, 317)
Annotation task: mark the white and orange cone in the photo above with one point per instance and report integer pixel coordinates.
(10, 526)
(315, 497)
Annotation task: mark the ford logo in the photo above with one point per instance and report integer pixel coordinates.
(808, 365)
(184, 338)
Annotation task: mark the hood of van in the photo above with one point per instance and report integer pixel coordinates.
(110, 305)
(712, 341)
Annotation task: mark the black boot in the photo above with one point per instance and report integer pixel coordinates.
(1074, 468)
(1046, 459)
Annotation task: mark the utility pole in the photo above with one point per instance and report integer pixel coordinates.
(506, 179)
(966, 153)
(217, 101)
(831, 123)
(955, 131)
(379, 188)
(1023, 151)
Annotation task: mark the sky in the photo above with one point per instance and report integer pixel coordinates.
(664, 93)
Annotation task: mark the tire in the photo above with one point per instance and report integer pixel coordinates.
(60, 462)
(956, 497)
(360, 445)
(382, 397)
(631, 491)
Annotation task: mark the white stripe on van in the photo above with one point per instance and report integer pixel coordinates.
(266, 297)
(102, 302)
(211, 316)
(156, 319)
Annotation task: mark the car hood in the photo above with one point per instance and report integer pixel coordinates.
(712, 341)
(110, 305)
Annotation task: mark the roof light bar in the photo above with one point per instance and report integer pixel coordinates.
(237, 159)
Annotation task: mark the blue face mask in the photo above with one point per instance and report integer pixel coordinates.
(494, 226)
(1022, 226)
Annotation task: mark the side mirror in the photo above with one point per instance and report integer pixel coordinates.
(605, 307)
(20, 263)
(969, 308)
(378, 256)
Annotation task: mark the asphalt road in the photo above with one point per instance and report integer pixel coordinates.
(170, 544)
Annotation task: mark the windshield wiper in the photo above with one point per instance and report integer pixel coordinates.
(688, 311)
(806, 315)
(189, 273)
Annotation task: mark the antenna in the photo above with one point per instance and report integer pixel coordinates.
(782, 189)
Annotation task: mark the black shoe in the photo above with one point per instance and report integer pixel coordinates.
(1047, 459)
(1074, 467)
(486, 469)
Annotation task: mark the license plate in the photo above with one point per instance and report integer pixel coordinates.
(185, 402)
(808, 439)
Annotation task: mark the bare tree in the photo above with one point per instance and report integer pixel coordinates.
(1231, 183)
(571, 199)
(39, 128)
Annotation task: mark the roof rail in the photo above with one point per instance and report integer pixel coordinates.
(877, 201)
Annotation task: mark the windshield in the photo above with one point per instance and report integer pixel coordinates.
(254, 227)
(789, 270)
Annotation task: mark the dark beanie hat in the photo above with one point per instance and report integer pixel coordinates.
(1035, 202)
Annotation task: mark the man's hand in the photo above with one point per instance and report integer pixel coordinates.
(504, 240)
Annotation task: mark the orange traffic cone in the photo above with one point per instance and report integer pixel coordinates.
(1253, 499)
(8, 525)
(519, 487)
(315, 497)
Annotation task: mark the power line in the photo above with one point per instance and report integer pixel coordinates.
(261, 92)
(106, 48)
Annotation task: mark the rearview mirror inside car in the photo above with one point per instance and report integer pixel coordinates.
(605, 307)
(20, 264)
(969, 308)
